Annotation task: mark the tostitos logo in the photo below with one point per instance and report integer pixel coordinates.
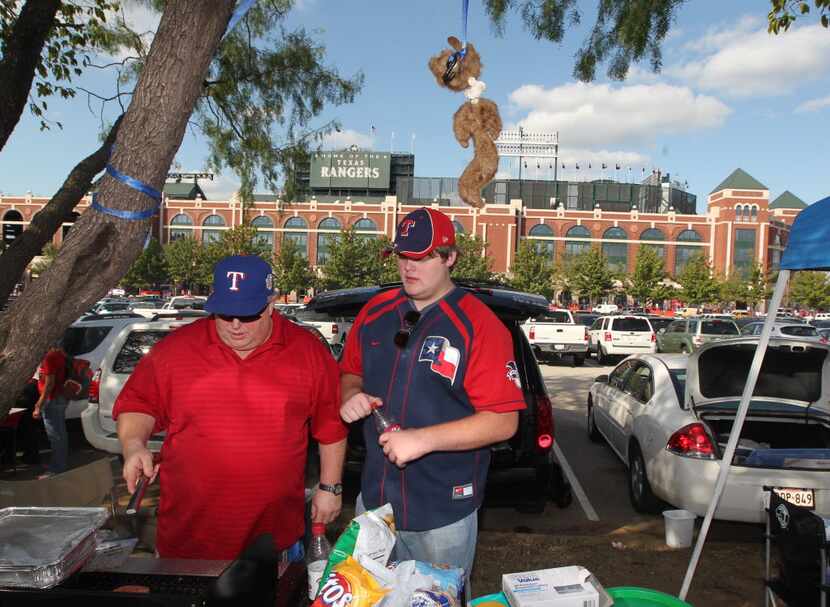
(336, 592)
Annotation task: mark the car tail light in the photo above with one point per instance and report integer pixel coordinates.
(653, 338)
(692, 441)
(334, 329)
(544, 423)
(607, 336)
(532, 332)
(587, 335)
(95, 387)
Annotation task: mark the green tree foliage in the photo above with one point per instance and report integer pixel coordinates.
(185, 261)
(757, 286)
(473, 263)
(383, 267)
(291, 269)
(810, 289)
(647, 274)
(589, 275)
(533, 271)
(663, 292)
(784, 12)
(732, 290)
(48, 255)
(149, 269)
(353, 261)
(698, 284)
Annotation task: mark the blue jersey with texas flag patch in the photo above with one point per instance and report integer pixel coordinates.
(458, 359)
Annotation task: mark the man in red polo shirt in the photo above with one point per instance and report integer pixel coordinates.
(236, 394)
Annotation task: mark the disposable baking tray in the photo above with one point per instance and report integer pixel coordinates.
(41, 547)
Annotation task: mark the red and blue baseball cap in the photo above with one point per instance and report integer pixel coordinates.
(242, 285)
(421, 232)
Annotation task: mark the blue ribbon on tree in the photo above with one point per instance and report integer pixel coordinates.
(241, 9)
(465, 6)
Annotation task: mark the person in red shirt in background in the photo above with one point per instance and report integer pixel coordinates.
(237, 394)
(51, 406)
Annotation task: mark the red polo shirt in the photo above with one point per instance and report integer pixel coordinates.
(233, 461)
(54, 363)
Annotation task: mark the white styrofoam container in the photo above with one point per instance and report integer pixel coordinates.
(558, 587)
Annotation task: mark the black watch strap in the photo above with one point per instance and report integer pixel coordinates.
(337, 489)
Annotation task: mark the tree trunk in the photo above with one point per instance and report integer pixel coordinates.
(20, 59)
(100, 248)
(46, 222)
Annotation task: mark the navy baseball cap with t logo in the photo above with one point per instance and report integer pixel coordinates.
(421, 232)
(242, 285)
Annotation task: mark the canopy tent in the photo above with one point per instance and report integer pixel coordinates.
(808, 248)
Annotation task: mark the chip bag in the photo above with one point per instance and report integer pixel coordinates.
(349, 585)
(369, 536)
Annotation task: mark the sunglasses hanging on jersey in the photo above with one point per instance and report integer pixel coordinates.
(243, 319)
(410, 319)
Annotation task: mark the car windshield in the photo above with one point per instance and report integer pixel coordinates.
(553, 316)
(310, 316)
(80, 340)
(678, 380)
(799, 331)
(585, 319)
(631, 324)
(193, 304)
(137, 345)
(660, 323)
(718, 327)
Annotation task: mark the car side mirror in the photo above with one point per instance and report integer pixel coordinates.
(602, 379)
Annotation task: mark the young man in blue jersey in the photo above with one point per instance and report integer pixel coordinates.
(441, 363)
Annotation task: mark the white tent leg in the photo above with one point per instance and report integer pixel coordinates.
(737, 426)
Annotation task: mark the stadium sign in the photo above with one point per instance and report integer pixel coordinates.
(350, 169)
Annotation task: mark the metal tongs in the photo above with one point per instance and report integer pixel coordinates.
(138, 495)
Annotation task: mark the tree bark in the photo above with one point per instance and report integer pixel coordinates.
(46, 222)
(20, 59)
(100, 248)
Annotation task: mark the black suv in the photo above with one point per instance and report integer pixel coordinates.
(531, 448)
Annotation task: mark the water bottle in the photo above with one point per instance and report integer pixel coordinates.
(317, 558)
(384, 422)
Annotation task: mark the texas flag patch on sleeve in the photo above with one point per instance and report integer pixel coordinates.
(442, 357)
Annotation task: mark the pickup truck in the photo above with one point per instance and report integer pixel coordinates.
(555, 333)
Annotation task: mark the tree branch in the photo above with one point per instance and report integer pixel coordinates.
(20, 60)
(46, 222)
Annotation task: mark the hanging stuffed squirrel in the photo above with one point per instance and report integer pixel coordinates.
(458, 69)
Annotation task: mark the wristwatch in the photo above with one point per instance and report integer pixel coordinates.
(337, 489)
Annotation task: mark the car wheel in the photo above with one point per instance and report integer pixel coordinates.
(602, 357)
(639, 489)
(579, 360)
(591, 424)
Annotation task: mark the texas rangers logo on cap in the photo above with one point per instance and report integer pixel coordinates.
(421, 232)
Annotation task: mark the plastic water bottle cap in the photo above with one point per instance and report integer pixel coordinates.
(318, 528)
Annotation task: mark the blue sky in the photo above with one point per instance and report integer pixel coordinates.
(729, 96)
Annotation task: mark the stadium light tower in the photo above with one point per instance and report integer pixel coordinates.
(521, 144)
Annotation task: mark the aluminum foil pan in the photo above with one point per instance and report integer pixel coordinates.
(41, 547)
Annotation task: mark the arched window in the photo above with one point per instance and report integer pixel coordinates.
(616, 252)
(181, 232)
(296, 231)
(683, 253)
(541, 235)
(264, 230)
(366, 225)
(739, 212)
(754, 214)
(459, 229)
(324, 239)
(573, 248)
(212, 235)
(654, 234)
(12, 230)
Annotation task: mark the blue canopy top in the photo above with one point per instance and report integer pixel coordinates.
(808, 247)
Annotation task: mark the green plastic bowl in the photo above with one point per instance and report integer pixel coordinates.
(631, 596)
(490, 598)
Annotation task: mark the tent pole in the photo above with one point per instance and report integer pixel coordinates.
(735, 434)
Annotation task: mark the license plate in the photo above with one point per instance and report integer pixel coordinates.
(558, 347)
(806, 498)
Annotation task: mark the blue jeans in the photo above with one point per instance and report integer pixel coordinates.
(54, 419)
(453, 544)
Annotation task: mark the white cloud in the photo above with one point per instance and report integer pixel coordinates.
(337, 140)
(140, 19)
(719, 36)
(741, 63)
(813, 105)
(598, 115)
(223, 187)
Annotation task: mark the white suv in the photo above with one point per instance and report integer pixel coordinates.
(621, 336)
(89, 338)
(128, 347)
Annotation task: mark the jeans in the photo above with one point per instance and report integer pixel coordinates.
(54, 419)
(453, 544)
